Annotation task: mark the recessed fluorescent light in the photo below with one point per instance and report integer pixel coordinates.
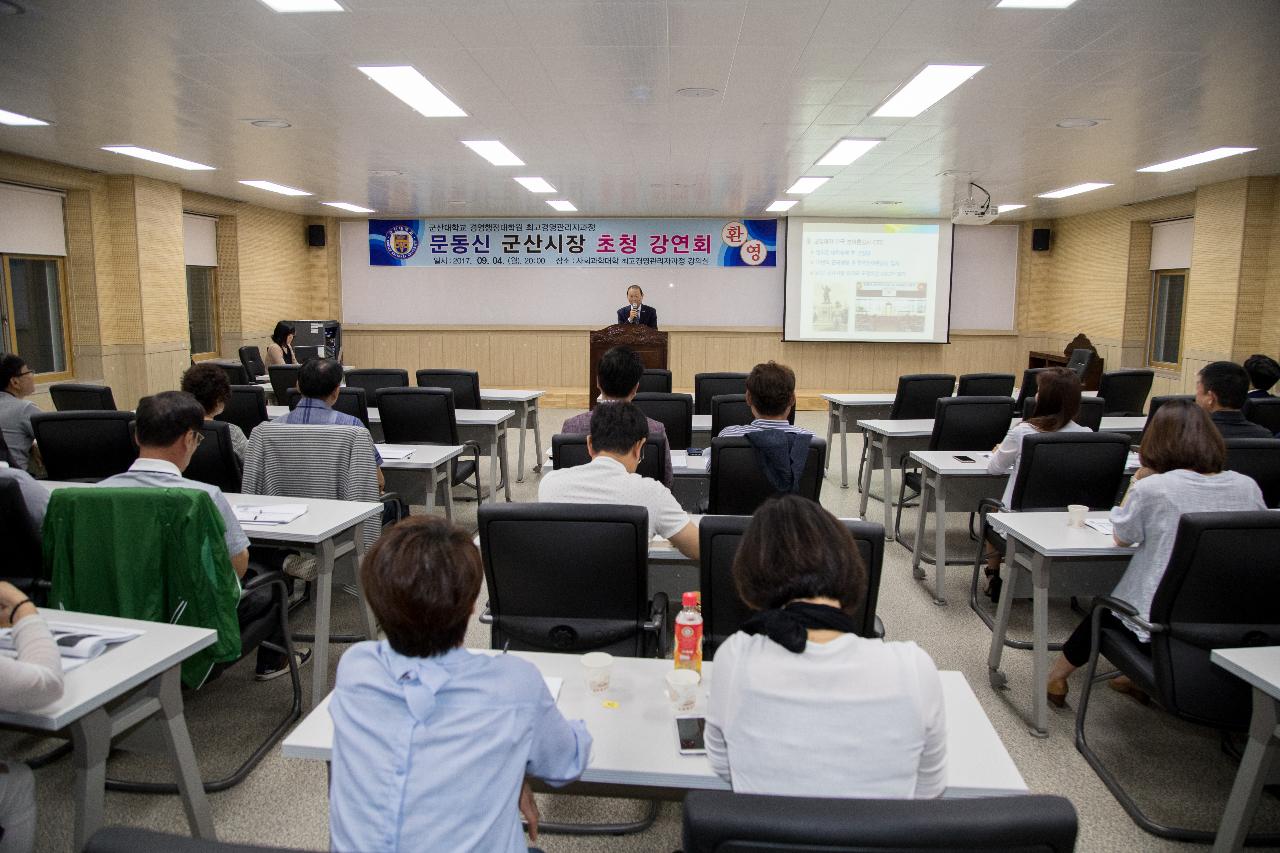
(157, 157)
(274, 188)
(1034, 4)
(1076, 190)
(536, 185)
(924, 90)
(493, 151)
(782, 205)
(1196, 159)
(408, 84)
(803, 186)
(1008, 208)
(846, 151)
(304, 5)
(19, 120)
(342, 205)
(562, 205)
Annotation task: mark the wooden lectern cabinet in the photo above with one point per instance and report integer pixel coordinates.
(1092, 375)
(649, 344)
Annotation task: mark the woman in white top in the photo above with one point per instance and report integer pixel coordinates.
(800, 705)
(31, 680)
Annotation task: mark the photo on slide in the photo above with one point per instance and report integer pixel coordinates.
(891, 306)
(832, 313)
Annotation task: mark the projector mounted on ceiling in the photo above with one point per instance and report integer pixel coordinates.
(971, 211)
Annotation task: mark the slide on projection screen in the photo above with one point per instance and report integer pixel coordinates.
(868, 280)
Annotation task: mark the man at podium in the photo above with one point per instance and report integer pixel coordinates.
(635, 312)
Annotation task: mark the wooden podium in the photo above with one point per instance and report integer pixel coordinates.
(649, 344)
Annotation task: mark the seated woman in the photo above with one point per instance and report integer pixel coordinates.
(1182, 455)
(280, 350)
(800, 705)
(209, 385)
(31, 680)
(431, 743)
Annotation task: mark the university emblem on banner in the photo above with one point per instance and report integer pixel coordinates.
(401, 242)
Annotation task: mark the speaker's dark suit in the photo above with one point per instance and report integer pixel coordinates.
(648, 316)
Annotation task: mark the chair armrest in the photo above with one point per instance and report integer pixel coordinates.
(878, 630)
(987, 505)
(264, 579)
(659, 608)
(1115, 605)
(389, 496)
(486, 616)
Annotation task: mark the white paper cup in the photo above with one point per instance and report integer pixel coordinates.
(598, 667)
(1075, 515)
(682, 689)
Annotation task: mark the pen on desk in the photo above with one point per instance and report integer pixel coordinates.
(505, 645)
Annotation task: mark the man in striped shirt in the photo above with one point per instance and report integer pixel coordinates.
(771, 394)
(319, 381)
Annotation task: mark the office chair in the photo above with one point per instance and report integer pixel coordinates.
(986, 385)
(1157, 402)
(1028, 386)
(709, 385)
(427, 416)
(738, 484)
(1265, 411)
(237, 374)
(351, 401)
(1089, 416)
(374, 378)
(914, 400)
(215, 460)
(1125, 391)
(1080, 360)
(23, 563)
(283, 377)
(568, 451)
(246, 408)
(81, 397)
(85, 446)
(130, 839)
(251, 360)
(655, 381)
(674, 411)
(465, 385)
(1258, 458)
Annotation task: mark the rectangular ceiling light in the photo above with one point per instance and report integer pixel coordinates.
(493, 151)
(19, 120)
(804, 186)
(782, 205)
(562, 205)
(846, 151)
(342, 205)
(157, 157)
(408, 84)
(924, 90)
(1009, 208)
(1196, 159)
(1076, 190)
(274, 188)
(304, 5)
(536, 185)
(1034, 4)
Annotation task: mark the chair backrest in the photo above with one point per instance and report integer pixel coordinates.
(283, 377)
(732, 410)
(1062, 468)
(1126, 391)
(22, 562)
(82, 397)
(1258, 458)
(725, 822)
(237, 374)
(568, 451)
(1265, 411)
(655, 381)
(251, 359)
(1089, 416)
(970, 423)
(86, 446)
(418, 415)
(566, 577)
(674, 411)
(375, 378)
(723, 611)
(128, 839)
(1028, 386)
(986, 385)
(246, 407)
(351, 401)
(1157, 402)
(215, 461)
(1219, 590)
(918, 392)
(738, 483)
(4, 452)
(1080, 360)
(465, 385)
(709, 385)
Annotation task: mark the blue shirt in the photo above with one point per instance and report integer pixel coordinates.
(317, 413)
(430, 753)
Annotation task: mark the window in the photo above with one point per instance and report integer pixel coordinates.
(202, 313)
(33, 313)
(1168, 298)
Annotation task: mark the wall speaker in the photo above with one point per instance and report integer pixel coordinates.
(1039, 239)
(315, 235)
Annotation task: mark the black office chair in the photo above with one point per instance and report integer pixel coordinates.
(1028, 386)
(215, 461)
(986, 385)
(723, 611)
(251, 360)
(283, 377)
(465, 385)
(674, 411)
(655, 381)
(738, 484)
(1089, 416)
(129, 839)
(1080, 360)
(1258, 458)
(351, 401)
(568, 451)
(1214, 595)
(82, 397)
(373, 379)
(709, 385)
(1126, 392)
(1157, 402)
(237, 374)
(915, 398)
(725, 822)
(959, 423)
(85, 446)
(246, 408)
(23, 564)
(1265, 411)
(427, 416)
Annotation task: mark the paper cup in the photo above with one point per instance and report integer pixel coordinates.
(1075, 515)
(598, 667)
(682, 689)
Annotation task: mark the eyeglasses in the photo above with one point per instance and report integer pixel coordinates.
(27, 373)
(199, 438)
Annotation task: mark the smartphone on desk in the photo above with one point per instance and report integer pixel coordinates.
(689, 735)
(963, 458)
(694, 451)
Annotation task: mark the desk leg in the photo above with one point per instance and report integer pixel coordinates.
(173, 728)
(357, 557)
(1008, 574)
(432, 480)
(831, 421)
(522, 410)
(1040, 627)
(91, 741)
(506, 473)
(537, 438)
(939, 538)
(886, 465)
(324, 598)
(927, 487)
(844, 448)
(493, 468)
(865, 485)
(1260, 755)
(448, 493)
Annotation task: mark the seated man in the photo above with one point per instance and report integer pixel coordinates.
(1221, 389)
(34, 495)
(168, 432)
(1263, 372)
(618, 376)
(771, 394)
(615, 442)
(320, 380)
(208, 384)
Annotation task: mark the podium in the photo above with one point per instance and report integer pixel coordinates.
(649, 344)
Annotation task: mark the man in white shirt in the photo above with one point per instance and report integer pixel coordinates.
(616, 441)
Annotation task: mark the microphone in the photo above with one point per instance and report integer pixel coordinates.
(635, 313)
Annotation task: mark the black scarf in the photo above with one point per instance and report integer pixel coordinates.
(789, 625)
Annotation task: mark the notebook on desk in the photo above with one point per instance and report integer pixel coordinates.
(269, 513)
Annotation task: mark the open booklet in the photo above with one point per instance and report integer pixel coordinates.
(269, 513)
(76, 642)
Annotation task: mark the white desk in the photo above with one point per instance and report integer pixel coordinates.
(634, 748)
(1096, 565)
(1260, 667)
(863, 406)
(149, 667)
(431, 459)
(526, 409)
(702, 423)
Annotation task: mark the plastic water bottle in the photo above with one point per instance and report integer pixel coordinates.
(688, 644)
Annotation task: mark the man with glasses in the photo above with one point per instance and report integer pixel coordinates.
(17, 382)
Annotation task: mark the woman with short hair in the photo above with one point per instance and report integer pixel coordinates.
(799, 704)
(208, 383)
(280, 350)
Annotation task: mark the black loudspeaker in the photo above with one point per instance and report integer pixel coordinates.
(315, 235)
(1039, 239)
